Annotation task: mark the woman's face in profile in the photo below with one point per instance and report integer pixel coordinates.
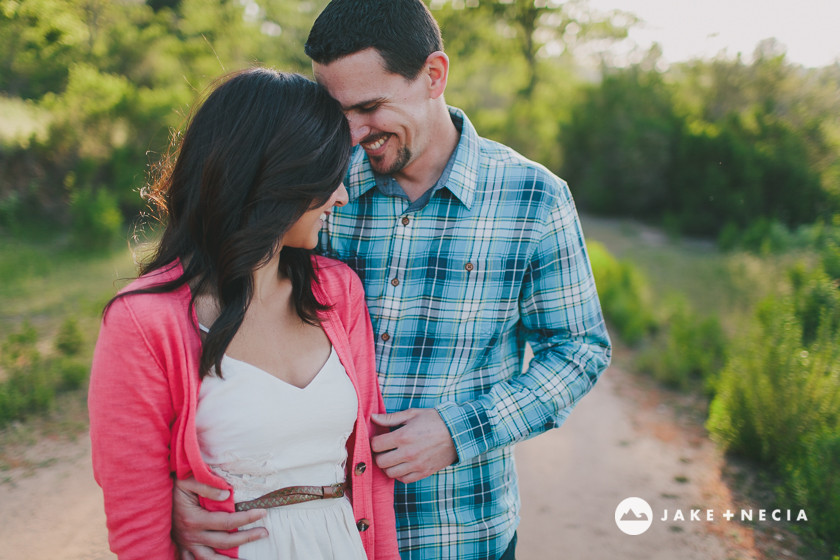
(304, 233)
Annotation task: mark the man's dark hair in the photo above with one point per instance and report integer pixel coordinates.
(402, 31)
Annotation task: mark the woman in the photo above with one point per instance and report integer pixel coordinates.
(237, 357)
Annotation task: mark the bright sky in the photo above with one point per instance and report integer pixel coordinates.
(809, 29)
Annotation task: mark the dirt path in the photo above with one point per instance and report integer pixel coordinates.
(622, 441)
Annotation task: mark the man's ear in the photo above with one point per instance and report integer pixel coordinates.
(437, 68)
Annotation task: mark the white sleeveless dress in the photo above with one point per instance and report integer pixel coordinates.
(261, 434)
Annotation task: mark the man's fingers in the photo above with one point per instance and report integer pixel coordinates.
(221, 541)
(392, 418)
(219, 522)
(192, 486)
(383, 443)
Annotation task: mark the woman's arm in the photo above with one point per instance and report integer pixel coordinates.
(131, 411)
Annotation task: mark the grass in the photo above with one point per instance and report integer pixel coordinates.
(728, 285)
(52, 297)
(45, 281)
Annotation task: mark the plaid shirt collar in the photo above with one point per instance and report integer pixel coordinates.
(464, 163)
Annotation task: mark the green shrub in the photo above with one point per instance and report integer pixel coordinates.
(775, 392)
(624, 294)
(687, 347)
(71, 374)
(31, 380)
(27, 387)
(97, 221)
(815, 484)
(69, 340)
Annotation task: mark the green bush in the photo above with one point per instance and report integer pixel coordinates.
(69, 340)
(815, 484)
(97, 221)
(31, 380)
(71, 374)
(776, 391)
(27, 387)
(624, 294)
(687, 347)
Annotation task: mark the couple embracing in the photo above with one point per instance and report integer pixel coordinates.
(318, 322)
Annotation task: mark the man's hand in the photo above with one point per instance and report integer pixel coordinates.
(420, 447)
(198, 531)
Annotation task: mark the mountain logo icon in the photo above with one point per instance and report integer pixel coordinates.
(633, 516)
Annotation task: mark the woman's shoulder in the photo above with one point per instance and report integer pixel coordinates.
(151, 304)
(334, 276)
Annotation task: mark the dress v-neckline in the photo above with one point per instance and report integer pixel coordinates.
(284, 382)
(268, 373)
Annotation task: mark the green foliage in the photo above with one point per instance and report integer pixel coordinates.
(97, 221)
(26, 387)
(775, 391)
(778, 399)
(737, 160)
(686, 348)
(815, 484)
(618, 145)
(30, 381)
(623, 292)
(69, 340)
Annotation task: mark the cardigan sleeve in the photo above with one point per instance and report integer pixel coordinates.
(360, 336)
(131, 411)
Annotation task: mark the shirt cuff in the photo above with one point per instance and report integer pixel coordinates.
(469, 427)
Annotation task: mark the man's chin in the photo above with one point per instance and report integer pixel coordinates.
(388, 166)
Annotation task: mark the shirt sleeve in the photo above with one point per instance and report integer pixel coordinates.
(560, 316)
(131, 412)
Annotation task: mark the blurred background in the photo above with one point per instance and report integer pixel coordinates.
(701, 143)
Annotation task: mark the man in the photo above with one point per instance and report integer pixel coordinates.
(467, 251)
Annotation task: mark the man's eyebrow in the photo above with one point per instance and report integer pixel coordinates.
(363, 104)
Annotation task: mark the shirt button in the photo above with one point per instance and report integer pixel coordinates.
(395, 282)
(363, 525)
(405, 220)
(469, 267)
(360, 469)
(385, 337)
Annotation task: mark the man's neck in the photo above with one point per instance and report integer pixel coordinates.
(422, 174)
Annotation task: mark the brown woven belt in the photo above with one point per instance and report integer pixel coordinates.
(293, 495)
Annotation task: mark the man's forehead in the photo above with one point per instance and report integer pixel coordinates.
(355, 82)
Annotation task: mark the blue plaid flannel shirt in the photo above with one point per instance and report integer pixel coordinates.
(490, 258)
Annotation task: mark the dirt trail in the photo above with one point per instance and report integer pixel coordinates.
(620, 442)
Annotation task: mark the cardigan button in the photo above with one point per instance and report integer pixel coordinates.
(360, 469)
(363, 525)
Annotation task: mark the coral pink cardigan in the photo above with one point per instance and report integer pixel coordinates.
(143, 398)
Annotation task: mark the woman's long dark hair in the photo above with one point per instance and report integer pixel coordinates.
(262, 149)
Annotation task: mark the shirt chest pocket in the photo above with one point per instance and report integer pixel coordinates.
(473, 296)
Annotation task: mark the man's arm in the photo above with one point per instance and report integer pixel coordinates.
(561, 315)
(198, 531)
